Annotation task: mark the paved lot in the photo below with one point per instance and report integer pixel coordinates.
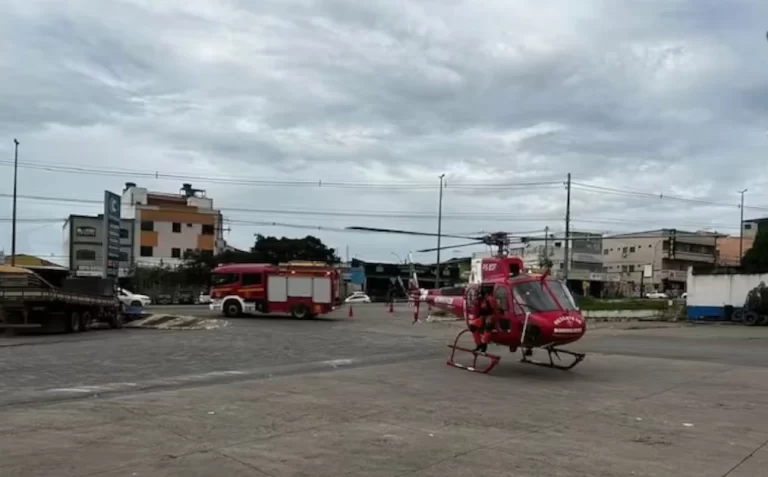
(372, 396)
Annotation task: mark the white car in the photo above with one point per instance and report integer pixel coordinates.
(132, 299)
(204, 298)
(358, 297)
(656, 295)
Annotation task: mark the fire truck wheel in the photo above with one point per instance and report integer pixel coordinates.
(232, 309)
(300, 311)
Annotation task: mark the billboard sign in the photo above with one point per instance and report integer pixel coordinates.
(111, 235)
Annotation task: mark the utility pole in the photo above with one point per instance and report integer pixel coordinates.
(13, 219)
(567, 255)
(542, 263)
(439, 230)
(741, 226)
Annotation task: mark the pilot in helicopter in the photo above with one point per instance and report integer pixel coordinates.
(482, 324)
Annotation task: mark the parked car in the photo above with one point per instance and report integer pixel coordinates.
(656, 295)
(128, 298)
(204, 298)
(358, 297)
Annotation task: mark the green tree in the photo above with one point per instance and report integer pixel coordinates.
(198, 264)
(268, 249)
(756, 258)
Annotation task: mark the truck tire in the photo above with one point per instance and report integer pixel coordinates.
(738, 316)
(116, 319)
(232, 309)
(763, 320)
(85, 321)
(300, 311)
(73, 322)
(751, 318)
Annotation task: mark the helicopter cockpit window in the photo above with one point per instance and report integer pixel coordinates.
(501, 297)
(535, 296)
(514, 270)
(562, 294)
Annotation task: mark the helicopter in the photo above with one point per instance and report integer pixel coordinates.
(532, 311)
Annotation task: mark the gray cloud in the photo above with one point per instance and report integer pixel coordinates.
(666, 96)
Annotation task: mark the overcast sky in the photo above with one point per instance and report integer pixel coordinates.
(659, 97)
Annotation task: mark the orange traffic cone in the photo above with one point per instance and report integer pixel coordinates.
(391, 306)
(351, 314)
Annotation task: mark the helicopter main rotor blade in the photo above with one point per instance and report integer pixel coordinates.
(449, 247)
(410, 232)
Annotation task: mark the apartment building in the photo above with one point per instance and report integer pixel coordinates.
(84, 245)
(586, 258)
(669, 252)
(167, 225)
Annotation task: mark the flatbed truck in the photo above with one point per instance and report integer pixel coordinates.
(27, 301)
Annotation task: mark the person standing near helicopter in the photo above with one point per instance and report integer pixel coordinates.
(482, 324)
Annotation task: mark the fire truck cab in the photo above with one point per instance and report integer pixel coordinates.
(301, 289)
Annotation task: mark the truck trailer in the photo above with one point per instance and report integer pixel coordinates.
(28, 301)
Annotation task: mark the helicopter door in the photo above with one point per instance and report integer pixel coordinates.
(502, 298)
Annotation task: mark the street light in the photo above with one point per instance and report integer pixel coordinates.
(741, 226)
(13, 219)
(439, 230)
(398, 257)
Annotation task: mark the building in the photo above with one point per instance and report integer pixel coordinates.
(665, 253)
(166, 226)
(84, 245)
(728, 250)
(585, 271)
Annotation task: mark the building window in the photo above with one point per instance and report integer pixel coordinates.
(189, 226)
(124, 233)
(605, 252)
(188, 252)
(631, 268)
(146, 251)
(85, 231)
(176, 227)
(85, 255)
(123, 256)
(631, 249)
(176, 252)
(147, 225)
(251, 279)
(747, 226)
(207, 229)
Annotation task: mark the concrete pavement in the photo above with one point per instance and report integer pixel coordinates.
(342, 399)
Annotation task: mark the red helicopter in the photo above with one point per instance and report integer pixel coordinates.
(529, 311)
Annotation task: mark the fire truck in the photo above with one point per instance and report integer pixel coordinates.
(301, 289)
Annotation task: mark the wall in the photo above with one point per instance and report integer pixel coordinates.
(708, 294)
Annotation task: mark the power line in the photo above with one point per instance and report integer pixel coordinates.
(657, 196)
(468, 216)
(399, 185)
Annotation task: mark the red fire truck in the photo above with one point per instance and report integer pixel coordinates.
(302, 289)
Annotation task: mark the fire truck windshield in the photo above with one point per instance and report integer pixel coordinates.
(219, 279)
(536, 296)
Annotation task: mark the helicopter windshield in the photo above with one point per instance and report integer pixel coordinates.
(537, 298)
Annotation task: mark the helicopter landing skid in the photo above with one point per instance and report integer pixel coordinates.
(494, 359)
(551, 350)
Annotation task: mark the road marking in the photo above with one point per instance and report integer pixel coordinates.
(335, 363)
